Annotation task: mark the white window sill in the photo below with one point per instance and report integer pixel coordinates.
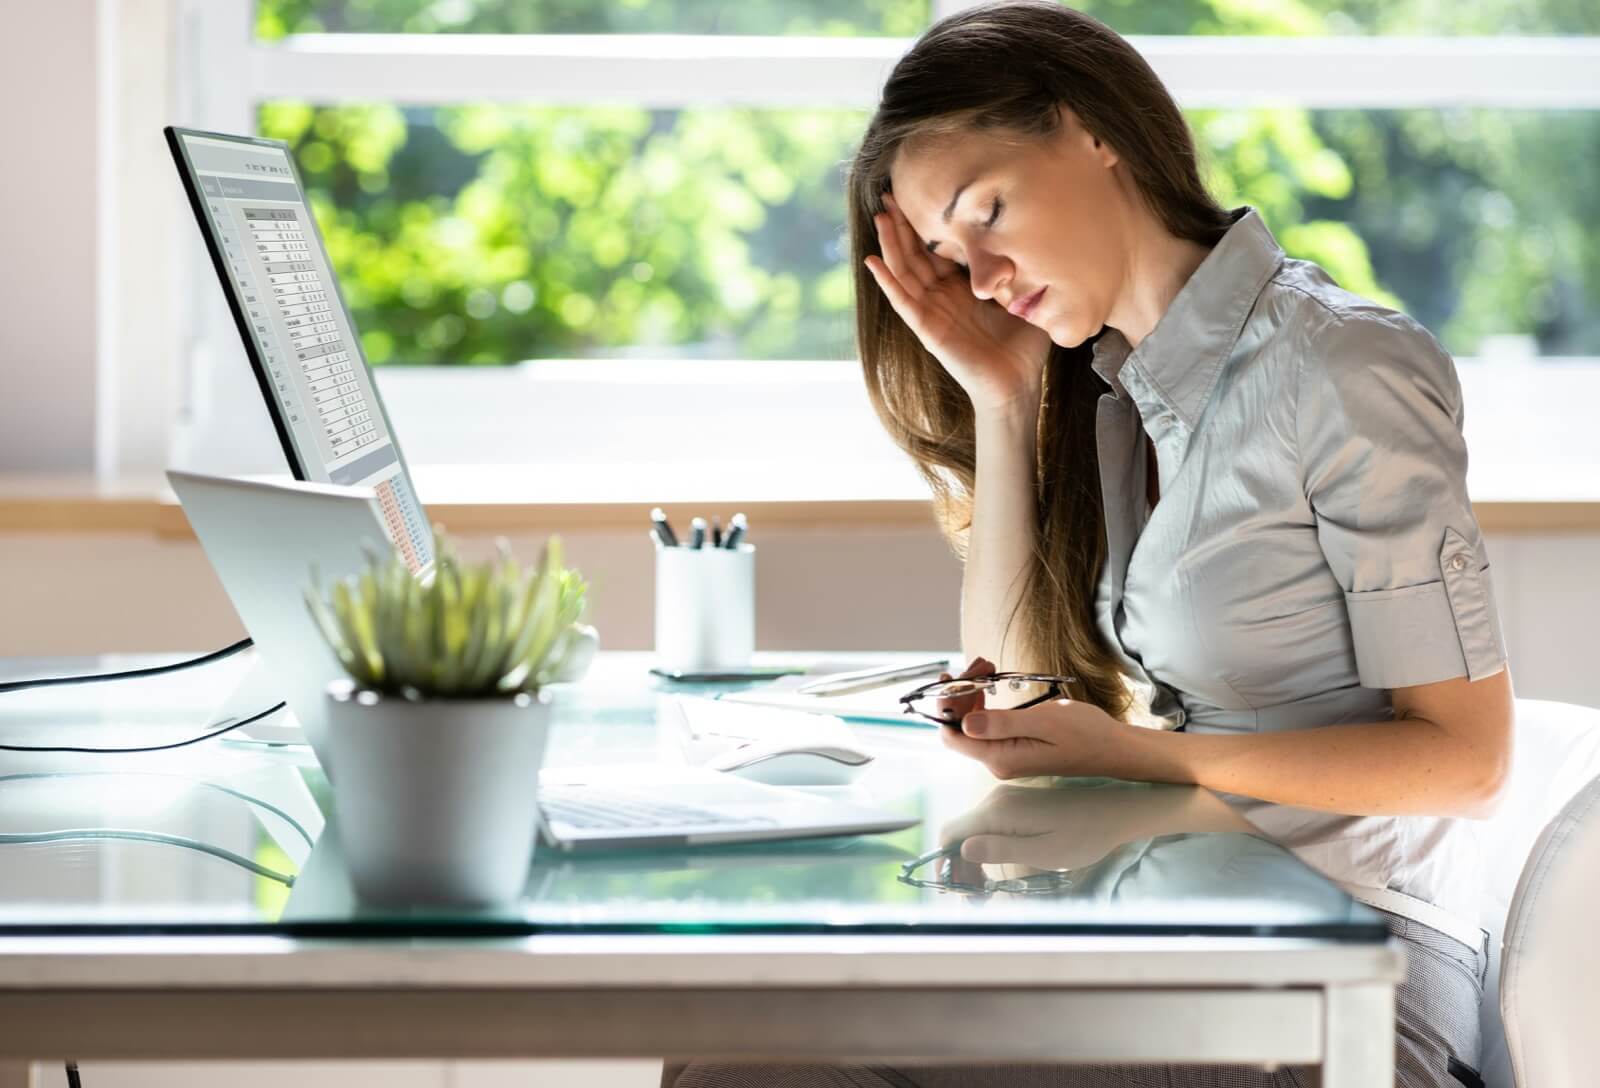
(799, 427)
(626, 430)
(596, 443)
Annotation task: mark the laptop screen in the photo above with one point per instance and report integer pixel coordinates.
(268, 252)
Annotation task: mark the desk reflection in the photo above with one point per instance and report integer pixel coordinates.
(1111, 841)
(152, 841)
(242, 840)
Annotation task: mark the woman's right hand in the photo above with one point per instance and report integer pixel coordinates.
(996, 357)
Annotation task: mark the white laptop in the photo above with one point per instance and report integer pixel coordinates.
(262, 538)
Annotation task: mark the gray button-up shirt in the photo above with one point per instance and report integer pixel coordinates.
(1313, 545)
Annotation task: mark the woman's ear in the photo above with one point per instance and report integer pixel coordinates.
(1074, 128)
(1105, 153)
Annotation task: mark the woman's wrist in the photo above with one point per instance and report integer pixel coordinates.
(1154, 755)
(1007, 438)
(1021, 410)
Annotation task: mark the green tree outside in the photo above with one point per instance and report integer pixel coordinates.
(487, 234)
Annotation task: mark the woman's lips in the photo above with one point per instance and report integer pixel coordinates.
(1025, 306)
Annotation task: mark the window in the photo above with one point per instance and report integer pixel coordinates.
(490, 233)
(1446, 214)
(502, 181)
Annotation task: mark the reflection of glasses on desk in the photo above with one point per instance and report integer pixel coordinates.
(1042, 883)
(1031, 687)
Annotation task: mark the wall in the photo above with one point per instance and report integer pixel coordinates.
(883, 588)
(48, 188)
(858, 588)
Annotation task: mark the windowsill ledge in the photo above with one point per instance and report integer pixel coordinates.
(607, 497)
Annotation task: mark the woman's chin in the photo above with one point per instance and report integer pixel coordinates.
(1063, 334)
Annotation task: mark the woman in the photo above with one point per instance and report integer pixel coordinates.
(1193, 474)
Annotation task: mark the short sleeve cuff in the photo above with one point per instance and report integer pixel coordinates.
(1434, 631)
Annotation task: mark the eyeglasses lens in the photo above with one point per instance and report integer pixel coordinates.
(1006, 691)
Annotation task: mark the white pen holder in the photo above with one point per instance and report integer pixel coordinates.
(705, 607)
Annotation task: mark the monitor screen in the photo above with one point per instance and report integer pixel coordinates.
(268, 252)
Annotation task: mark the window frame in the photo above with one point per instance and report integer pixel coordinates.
(682, 70)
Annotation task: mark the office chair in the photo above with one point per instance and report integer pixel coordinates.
(1541, 869)
(1550, 975)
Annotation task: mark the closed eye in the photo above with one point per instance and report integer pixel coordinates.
(994, 217)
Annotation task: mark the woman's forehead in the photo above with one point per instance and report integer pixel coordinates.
(928, 167)
(924, 179)
(923, 169)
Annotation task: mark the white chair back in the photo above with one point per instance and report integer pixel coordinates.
(1558, 751)
(1550, 974)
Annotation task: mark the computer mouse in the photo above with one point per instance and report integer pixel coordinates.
(792, 765)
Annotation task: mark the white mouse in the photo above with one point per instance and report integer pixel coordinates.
(801, 764)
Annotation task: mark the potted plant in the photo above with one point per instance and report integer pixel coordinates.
(436, 736)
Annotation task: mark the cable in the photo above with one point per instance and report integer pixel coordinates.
(248, 799)
(154, 670)
(81, 834)
(73, 1080)
(153, 747)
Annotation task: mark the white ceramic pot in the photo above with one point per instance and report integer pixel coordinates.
(437, 801)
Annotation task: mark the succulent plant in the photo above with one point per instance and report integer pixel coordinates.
(483, 630)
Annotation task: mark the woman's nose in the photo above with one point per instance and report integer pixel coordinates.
(986, 273)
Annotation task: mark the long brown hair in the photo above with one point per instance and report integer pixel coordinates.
(1005, 69)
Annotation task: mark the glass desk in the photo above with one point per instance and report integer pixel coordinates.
(194, 903)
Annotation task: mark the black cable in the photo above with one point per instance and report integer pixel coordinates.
(153, 747)
(72, 1076)
(154, 670)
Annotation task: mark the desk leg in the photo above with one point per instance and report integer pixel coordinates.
(16, 1075)
(1360, 1039)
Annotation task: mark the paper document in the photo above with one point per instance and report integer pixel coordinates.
(879, 704)
(707, 727)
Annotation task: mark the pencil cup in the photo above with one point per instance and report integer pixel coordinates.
(705, 607)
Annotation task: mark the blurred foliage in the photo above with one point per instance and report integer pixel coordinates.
(906, 18)
(898, 18)
(486, 234)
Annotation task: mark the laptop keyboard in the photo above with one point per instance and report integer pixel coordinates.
(592, 808)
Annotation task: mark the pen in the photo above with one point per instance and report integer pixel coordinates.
(736, 528)
(716, 531)
(843, 682)
(697, 533)
(664, 532)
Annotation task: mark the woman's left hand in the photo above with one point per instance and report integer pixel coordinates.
(1061, 737)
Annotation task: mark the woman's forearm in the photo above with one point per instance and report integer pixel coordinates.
(1366, 769)
(1000, 544)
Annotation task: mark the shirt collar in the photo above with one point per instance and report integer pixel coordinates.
(1178, 363)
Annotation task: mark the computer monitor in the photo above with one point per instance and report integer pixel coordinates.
(302, 343)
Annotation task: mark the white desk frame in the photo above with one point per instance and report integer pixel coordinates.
(879, 998)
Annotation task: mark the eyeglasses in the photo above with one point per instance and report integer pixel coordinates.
(1041, 883)
(1030, 687)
